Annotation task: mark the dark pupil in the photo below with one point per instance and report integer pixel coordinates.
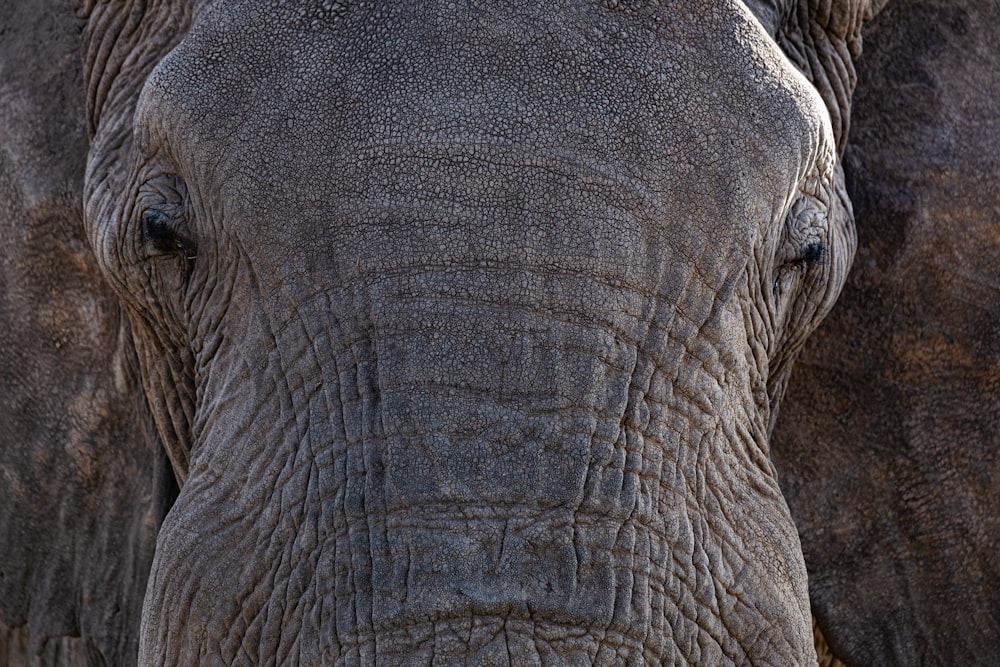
(813, 254)
(157, 230)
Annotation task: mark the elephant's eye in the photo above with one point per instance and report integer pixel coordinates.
(812, 255)
(163, 222)
(787, 271)
(802, 247)
(163, 234)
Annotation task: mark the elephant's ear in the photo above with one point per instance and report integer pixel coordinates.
(888, 443)
(84, 483)
(822, 38)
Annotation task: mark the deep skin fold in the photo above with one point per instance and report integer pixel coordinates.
(480, 348)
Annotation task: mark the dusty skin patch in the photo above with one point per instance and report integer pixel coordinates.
(824, 655)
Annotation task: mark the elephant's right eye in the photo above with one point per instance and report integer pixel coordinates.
(162, 222)
(162, 234)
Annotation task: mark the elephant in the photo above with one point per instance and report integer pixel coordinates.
(337, 332)
(887, 445)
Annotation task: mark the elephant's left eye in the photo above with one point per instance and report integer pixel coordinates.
(802, 248)
(811, 256)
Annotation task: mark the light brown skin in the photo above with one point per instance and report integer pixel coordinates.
(459, 351)
(84, 482)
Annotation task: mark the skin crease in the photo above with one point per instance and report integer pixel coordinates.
(462, 355)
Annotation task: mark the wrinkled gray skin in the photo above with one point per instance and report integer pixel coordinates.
(462, 327)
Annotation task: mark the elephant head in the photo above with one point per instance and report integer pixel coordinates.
(463, 326)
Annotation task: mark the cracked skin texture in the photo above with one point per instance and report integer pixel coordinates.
(463, 326)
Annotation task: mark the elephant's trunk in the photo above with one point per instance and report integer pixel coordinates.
(480, 478)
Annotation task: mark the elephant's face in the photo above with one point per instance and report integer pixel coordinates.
(463, 326)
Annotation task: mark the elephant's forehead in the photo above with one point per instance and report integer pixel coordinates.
(301, 104)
